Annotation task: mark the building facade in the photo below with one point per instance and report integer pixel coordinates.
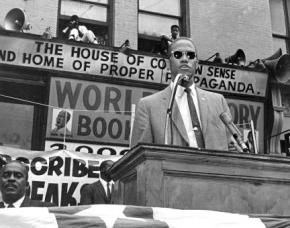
(99, 85)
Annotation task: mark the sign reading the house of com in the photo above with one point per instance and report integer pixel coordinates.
(91, 60)
(111, 63)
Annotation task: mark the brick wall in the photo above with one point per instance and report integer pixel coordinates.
(125, 22)
(225, 26)
(216, 26)
(40, 13)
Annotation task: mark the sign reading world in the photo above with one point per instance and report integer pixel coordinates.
(103, 113)
(101, 61)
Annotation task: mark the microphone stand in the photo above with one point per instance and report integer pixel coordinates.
(235, 132)
(254, 137)
(168, 119)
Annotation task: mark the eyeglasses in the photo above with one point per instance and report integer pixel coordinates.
(179, 54)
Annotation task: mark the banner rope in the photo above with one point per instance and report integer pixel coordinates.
(242, 124)
(66, 109)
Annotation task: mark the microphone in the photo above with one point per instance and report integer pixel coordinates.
(177, 80)
(226, 118)
(184, 78)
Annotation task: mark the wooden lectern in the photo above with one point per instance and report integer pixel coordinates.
(188, 178)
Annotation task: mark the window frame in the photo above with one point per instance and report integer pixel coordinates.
(183, 20)
(32, 97)
(286, 37)
(85, 21)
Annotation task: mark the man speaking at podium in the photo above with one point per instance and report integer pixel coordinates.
(194, 120)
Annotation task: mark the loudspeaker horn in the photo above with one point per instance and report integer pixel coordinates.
(279, 67)
(124, 48)
(238, 58)
(259, 64)
(16, 20)
(276, 55)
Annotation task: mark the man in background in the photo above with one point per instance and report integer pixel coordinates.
(167, 40)
(99, 192)
(13, 186)
(195, 112)
(75, 31)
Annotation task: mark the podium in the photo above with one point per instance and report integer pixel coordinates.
(188, 178)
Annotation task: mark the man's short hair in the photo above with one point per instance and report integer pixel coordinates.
(74, 18)
(104, 163)
(174, 26)
(15, 161)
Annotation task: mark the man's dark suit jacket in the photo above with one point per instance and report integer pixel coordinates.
(27, 202)
(94, 194)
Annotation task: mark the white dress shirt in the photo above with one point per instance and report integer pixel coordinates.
(104, 184)
(181, 100)
(16, 204)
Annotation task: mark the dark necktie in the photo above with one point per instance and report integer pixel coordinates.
(194, 119)
(10, 206)
(108, 191)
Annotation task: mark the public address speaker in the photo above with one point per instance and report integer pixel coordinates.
(16, 20)
(238, 58)
(277, 64)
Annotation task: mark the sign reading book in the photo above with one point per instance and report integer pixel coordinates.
(102, 113)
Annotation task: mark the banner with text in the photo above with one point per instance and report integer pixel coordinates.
(86, 148)
(231, 80)
(58, 176)
(100, 61)
(101, 112)
(96, 112)
(243, 112)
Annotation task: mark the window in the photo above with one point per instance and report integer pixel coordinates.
(155, 19)
(16, 125)
(285, 94)
(22, 119)
(280, 24)
(280, 12)
(92, 13)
